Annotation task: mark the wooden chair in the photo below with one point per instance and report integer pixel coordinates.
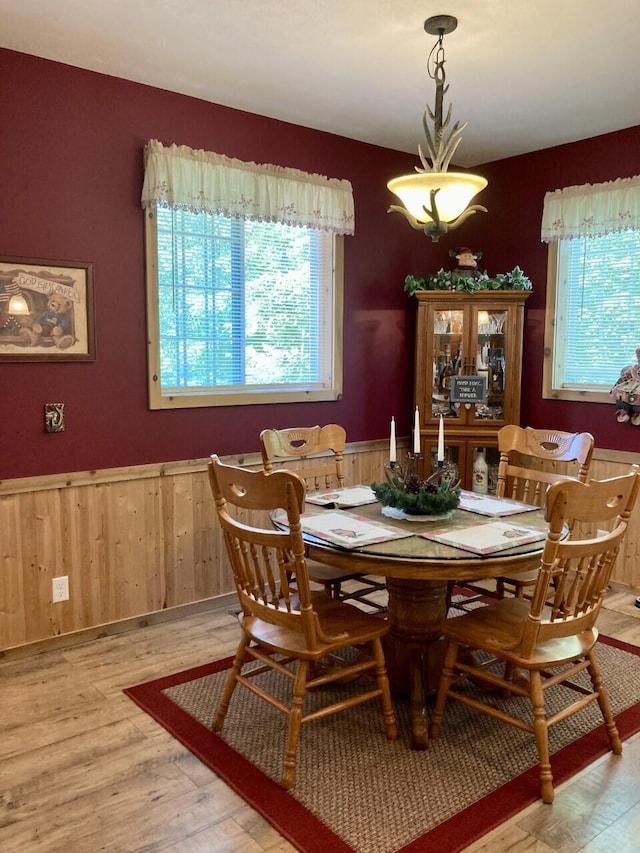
(284, 630)
(530, 461)
(552, 637)
(320, 472)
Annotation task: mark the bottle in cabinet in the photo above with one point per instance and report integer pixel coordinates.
(457, 364)
(447, 371)
(480, 481)
(438, 367)
(496, 364)
(496, 376)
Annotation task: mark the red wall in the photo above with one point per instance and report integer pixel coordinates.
(71, 174)
(510, 235)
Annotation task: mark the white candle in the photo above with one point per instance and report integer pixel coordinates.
(416, 432)
(441, 440)
(392, 441)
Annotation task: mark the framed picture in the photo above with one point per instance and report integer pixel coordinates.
(46, 310)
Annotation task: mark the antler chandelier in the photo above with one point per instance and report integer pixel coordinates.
(435, 200)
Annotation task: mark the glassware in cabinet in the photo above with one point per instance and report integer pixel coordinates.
(469, 335)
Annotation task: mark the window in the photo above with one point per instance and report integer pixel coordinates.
(241, 310)
(246, 311)
(593, 290)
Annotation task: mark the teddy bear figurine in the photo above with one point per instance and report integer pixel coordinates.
(51, 326)
(626, 393)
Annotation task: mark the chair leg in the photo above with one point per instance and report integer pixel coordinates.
(450, 659)
(541, 730)
(230, 685)
(295, 721)
(450, 586)
(603, 702)
(513, 675)
(509, 672)
(383, 685)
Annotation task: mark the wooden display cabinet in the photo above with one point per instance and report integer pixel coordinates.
(475, 335)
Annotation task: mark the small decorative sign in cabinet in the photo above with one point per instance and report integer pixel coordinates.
(468, 371)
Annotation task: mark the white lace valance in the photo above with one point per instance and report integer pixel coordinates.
(200, 181)
(591, 210)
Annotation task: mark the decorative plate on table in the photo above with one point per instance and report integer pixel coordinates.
(401, 515)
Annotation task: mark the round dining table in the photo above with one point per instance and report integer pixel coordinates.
(418, 571)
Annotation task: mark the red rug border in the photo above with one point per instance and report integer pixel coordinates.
(307, 832)
(279, 808)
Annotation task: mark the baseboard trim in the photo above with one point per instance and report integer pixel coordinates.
(76, 638)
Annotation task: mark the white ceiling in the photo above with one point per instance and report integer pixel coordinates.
(524, 74)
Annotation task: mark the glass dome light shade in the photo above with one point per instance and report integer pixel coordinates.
(456, 189)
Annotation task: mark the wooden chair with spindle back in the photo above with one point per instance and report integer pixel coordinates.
(320, 452)
(290, 631)
(531, 460)
(551, 637)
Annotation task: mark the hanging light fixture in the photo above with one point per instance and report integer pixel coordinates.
(435, 200)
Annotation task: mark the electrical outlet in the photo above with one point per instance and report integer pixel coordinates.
(60, 589)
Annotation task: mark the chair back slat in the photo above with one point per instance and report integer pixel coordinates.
(575, 573)
(259, 572)
(320, 451)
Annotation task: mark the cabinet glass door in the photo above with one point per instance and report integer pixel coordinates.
(491, 354)
(447, 361)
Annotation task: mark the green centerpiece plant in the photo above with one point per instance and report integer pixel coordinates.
(436, 495)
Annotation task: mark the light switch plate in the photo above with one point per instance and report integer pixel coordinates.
(54, 417)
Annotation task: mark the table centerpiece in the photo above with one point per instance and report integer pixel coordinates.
(404, 495)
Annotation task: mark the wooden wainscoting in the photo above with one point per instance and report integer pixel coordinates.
(132, 541)
(144, 540)
(613, 463)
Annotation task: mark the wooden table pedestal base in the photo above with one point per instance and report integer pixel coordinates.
(414, 648)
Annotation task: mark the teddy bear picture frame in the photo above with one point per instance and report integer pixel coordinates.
(46, 310)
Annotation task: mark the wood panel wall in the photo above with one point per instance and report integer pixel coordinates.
(132, 541)
(141, 540)
(613, 463)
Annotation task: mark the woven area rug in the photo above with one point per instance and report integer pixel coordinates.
(354, 790)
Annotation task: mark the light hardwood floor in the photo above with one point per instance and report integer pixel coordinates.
(82, 769)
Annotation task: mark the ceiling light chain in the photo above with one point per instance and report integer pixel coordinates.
(419, 193)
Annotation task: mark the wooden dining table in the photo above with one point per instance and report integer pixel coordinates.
(417, 572)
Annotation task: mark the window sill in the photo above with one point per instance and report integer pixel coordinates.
(577, 396)
(193, 399)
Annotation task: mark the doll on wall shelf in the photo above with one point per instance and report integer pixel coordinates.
(626, 393)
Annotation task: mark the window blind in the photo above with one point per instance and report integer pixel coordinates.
(243, 304)
(598, 309)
